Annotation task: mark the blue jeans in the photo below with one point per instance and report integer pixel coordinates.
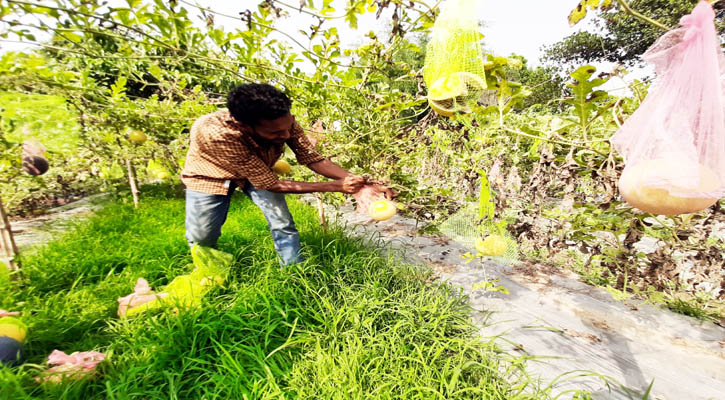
(206, 213)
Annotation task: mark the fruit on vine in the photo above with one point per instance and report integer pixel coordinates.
(13, 328)
(281, 167)
(380, 210)
(156, 170)
(661, 201)
(492, 246)
(137, 137)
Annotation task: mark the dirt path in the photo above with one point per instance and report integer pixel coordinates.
(567, 325)
(564, 324)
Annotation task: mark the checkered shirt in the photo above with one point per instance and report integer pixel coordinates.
(221, 150)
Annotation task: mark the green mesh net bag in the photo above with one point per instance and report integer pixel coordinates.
(473, 226)
(453, 70)
(187, 291)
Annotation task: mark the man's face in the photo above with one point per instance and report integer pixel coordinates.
(275, 131)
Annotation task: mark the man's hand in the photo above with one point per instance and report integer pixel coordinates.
(386, 191)
(371, 192)
(351, 183)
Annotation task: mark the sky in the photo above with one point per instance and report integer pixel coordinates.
(519, 27)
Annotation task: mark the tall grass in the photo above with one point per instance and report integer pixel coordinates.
(348, 323)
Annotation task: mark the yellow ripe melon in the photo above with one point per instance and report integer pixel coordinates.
(446, 94)
(381, 210)
(660, 201)
(442, 107)
(281, 167)
(492, 246)
(137, 137)
(13, 328)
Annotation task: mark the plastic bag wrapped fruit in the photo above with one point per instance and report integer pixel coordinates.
(34, 160)
(671, 199)
(11, 352)
(141, 295)
(13, 328)
(674, 144)
(373, 200)
(76, 366)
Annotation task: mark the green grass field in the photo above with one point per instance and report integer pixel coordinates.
(349, 323)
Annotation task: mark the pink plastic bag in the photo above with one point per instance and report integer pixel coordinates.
(141, 295)
(674, 144)
(370, 193)
(4, 313)
(78, 365)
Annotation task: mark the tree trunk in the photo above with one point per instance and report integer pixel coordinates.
(321, 212)
(132, 181)
(8, 249)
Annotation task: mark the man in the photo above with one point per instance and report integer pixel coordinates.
(237, 148)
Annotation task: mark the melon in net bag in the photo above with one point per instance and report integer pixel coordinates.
(453, 71)
(674, 144)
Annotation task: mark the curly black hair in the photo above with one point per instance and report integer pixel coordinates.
(251, 102)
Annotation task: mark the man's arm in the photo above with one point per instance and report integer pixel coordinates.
(331, 170)
(328, 169)
(350, 184)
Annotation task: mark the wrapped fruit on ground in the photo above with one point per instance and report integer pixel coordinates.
(656, 200)
(281, 167)
(11, 352)
(12, 336)
(492, 246)
(382, 210)
(13, 328)
(76, 366)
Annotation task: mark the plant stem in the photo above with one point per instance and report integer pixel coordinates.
(573, 144)
(7, 242)
(626, 8)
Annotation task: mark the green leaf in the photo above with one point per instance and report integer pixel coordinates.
(580, 11)
(73, 37)
(585, 98)
(327, 11)
(156, 72)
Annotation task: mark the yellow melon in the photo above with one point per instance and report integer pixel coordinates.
(13, 328)
(281, 167)
(492, 246)
(447, 94)
(137, 137)
(381, 210)
(660, 201)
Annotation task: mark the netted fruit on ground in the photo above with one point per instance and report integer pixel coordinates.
(492, 246)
